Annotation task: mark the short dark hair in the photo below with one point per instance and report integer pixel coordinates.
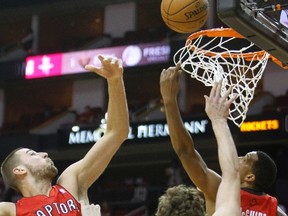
(7, 166)
(181, 200)
(265, 171)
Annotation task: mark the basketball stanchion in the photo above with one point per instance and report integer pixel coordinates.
(223, 54)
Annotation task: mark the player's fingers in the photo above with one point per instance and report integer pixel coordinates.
(119, 63)
(175, 72)
(106, 59)
(101, 57)
(227, 93)
(90, 67)
(178, 66)
(232, 99)
(113, 60)
(170, 72)
(179, 72)
(218, 88)
(212, 91)
(163, 74)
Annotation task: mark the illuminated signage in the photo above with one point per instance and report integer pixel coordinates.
(139, 132)
(270, 128)
(74, 62)
(263, 125)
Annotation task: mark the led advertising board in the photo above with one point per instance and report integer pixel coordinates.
(59, 64)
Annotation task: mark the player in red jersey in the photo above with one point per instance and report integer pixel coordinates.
(257, 169)
(253, 203)
(31, 173)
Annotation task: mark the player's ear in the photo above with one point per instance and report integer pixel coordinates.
(250, 177)
(19, 170)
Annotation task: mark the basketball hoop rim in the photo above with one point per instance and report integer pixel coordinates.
(278, 62)
(227, 33)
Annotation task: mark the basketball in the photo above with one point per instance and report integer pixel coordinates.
(184, 16)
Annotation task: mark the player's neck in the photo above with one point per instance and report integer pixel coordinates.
(36, 188)
(253, 191)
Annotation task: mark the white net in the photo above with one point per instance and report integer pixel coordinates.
(228, 56)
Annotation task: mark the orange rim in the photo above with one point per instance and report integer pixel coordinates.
(278, 62)
(224, 32)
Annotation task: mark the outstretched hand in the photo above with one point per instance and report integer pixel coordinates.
(217, 107)
(90, 209)
(169, 82)
(111, 67)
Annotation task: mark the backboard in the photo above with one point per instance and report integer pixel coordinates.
(253, 20)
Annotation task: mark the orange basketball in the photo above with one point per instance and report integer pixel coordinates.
(184, 16)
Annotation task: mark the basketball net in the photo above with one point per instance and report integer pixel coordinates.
(215, 54)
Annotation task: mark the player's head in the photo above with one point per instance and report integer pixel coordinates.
(181, 201)
(258, 170)
(22, 162)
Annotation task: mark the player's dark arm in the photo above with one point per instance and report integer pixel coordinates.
(203, 177)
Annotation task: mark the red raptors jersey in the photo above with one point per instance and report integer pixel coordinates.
(258, 205)
(59, 202)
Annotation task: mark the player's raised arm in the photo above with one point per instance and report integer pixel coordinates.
(228, 196)
(79, 176)
(203, 177)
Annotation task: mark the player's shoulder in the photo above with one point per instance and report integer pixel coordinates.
(7, 209)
